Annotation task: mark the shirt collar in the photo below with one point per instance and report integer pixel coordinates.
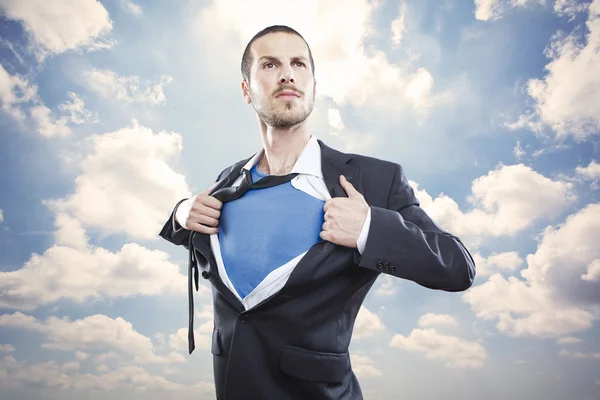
(308, 163)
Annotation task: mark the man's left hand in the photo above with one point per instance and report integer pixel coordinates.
(344, 217)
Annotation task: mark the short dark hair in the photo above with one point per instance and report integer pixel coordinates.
(247, 57)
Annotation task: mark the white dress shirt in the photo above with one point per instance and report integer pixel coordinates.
(310, 180)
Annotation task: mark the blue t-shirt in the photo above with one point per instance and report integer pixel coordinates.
(266, 228)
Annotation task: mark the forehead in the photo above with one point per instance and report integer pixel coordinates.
(280, 45)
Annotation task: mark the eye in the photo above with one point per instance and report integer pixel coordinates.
(300, 63)
(267, 64)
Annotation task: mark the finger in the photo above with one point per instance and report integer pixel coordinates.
(201, 209)
(349, 188)
(203, 219)
(203, 228)
(211, 202)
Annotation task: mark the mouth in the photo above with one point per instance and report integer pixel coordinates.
(288, 95)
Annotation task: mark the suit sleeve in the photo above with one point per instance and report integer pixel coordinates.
(173, 231)
(406, 243)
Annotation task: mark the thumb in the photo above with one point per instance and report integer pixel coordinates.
(349, 188)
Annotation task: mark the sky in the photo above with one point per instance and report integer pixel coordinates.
(113, 111)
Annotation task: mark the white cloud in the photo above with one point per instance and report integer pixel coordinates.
(15, 89)
(81, 355)
(589, 173)
(93, 332)
(388, 286)
(428, 320)
(569, 340)
(398, 26)
(578, 354)
(202, 335)
(336, 42)
(134, 9)
(335, 120)
(52, 375)
(367, 324)
(490, 10)
(518, 151)
(61, 25)
(555, 299)
(128, 89)
(126, 184)
(72, 112)
(84, 274)
(497, 262)
(453, 351)
(505, 202)
(363, 367)
(566, 98)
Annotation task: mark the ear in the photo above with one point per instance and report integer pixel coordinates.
(315, 88)
(246, 92)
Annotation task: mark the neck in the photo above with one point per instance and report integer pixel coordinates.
(282, 148)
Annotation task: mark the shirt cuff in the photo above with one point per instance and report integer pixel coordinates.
(361, 242)
(181, 214)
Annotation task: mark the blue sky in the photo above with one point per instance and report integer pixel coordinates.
(491, 106)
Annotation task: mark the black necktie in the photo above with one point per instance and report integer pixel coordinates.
(232, 193)
(224, 195)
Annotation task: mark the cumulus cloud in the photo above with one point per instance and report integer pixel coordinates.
(452, 350)
(51, 27)
(367, 324)
(565, 100)
(388, 286)
(93, 332)
(491, 10)
(15, 89)
(497, 262)
(128, 89)
(63, 377)
(505, 202)
(83, 274)
(202, 335)
(134, 9)
(126, 184)
(363, 367)
(428, 320)
(569, 340)
(16, 92)
(373, 81)
(556, 297)
(398, 26)
(590, 173)
(578, 354)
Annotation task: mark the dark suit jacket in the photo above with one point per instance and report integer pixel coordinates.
(294, 345)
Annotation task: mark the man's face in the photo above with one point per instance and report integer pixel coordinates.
(282, 86)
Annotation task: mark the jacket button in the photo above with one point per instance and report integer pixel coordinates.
(392, 268)
(205, 274)
(244, 319)
(379, 264)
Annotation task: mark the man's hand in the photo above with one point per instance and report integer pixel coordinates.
(204, 212)
(344, 217)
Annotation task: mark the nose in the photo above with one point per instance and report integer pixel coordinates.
(287, 76)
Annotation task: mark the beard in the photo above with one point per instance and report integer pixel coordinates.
(285, 116)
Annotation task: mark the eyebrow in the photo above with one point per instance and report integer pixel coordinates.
(271, 58)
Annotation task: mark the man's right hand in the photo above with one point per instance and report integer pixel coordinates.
(200, 213)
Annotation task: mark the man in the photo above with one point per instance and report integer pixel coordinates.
(291, 264)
